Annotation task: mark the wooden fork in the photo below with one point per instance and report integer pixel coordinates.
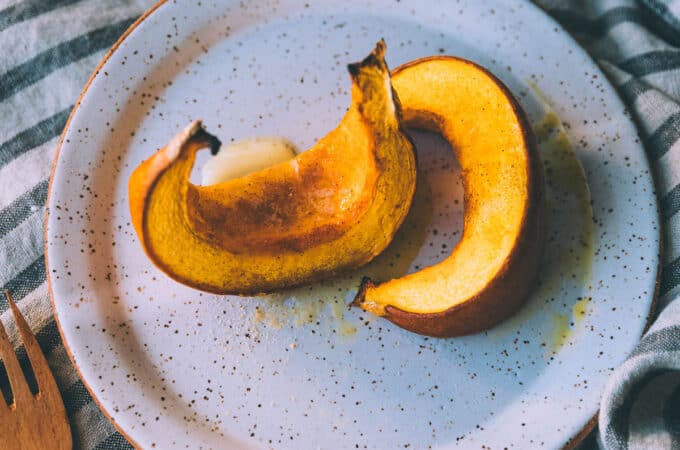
(37, 421)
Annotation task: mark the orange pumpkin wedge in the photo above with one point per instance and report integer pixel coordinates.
(491, 270)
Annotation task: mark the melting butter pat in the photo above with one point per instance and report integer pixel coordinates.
(246, 156)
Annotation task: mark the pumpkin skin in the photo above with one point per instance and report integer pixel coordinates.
(490, 272)
(330, 209)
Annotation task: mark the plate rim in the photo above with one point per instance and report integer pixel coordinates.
(53, 170)
(570, 444)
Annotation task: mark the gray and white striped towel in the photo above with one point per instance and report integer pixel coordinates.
(48, 49)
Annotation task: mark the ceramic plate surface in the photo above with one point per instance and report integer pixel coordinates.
(177, 368)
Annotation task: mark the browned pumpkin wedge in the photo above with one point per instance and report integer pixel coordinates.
(332, 208)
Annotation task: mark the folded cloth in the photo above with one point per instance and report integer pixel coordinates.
(50, 47)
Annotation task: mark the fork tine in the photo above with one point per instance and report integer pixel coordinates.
(41, 370)
(20, 389)
(44, 424)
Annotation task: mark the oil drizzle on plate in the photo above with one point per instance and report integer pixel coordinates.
(564, 325)
(570, 242)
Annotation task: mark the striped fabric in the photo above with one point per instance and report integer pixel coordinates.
(48, 50)
(50, 47)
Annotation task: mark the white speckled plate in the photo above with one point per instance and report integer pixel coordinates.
(177, 368)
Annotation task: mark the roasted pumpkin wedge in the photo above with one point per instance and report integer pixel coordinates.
(334, 207)
(491, 270)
